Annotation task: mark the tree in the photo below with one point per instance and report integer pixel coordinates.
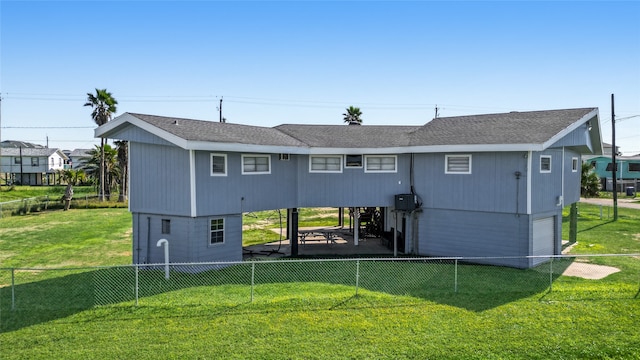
(590, 183)
(104, 106)
(122, 147)
(353, 116)
(111, 171)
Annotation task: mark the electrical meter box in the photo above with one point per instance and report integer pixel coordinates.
(406, 202)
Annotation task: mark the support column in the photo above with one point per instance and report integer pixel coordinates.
(293, 239)
(341, 216)
(356, 226)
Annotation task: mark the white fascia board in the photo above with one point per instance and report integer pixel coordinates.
(590, 115)
(113, 125)
(474, 148)
(244, 148)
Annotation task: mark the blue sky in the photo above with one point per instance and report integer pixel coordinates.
(305, 62)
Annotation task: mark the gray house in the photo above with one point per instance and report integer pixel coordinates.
(483, 185)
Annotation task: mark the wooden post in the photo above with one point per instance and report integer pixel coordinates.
(294, 232)
(573, 223)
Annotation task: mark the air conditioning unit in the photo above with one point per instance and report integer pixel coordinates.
(406, 202)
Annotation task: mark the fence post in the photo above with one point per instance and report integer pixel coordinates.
(551, 275)
(253, 277)
(600, 212)
(13, 289)
(357, 275)
(455, 276)
(137, 267)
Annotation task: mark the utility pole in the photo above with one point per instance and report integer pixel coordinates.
(614, 169)
(220, 111)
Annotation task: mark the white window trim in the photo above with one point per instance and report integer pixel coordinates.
(446, 164)
(224, 232)
(211, 164)
(354, 166)
(550, 164)
(574, 160)
(395, 166)
(340, 157)
(256, 172)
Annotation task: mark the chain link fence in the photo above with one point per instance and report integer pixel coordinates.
(234, 283)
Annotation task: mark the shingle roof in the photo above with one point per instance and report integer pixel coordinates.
(349, 136)
(531, 127)
(199, 130)
(80, 153)
(517, 128)
(30, 152)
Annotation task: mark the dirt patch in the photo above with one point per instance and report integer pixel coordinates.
(589, 271)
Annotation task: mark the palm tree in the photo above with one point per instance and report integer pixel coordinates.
(352, 116)
(104, 106)
(122, 147)
(107, 155)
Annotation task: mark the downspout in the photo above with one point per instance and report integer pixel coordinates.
(529, 162)
(192, 182)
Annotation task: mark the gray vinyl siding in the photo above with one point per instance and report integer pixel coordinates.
(159, 181)
(491, 187)
(577, 138)
(546, 187)
(351, 187)
(237, 192)
(572, 180)
(188, 239)
(137, 135)
(473, 233)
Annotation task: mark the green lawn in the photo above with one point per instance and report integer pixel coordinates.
(309, 310)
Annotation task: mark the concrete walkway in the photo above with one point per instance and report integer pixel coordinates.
(623, 203)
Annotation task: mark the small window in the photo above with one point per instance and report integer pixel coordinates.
(634, 166)
(574, 164)
(545, 164)
(35, 161)
(380, 163)
(283, 157)
(457, 164)
(353, 161)
(166, 226)
(217, 231)
(17, 160)
(218, 165)
(256, 164)
(330, 163)
(52, 162)
(610, 167)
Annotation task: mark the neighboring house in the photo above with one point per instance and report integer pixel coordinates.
(78, 157)
(31, 166)
(627, 171)
(483, 185)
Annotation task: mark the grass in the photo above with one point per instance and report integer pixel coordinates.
(11, 193)
(309, 310)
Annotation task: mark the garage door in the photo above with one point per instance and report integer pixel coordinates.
(543, 238)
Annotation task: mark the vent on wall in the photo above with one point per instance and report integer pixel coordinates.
(284, 157)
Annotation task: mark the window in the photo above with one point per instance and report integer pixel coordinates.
(610, 167)
(283, 157)
(545, 164)
(574, 164)
(353, 161)
(380, 163)
(457, 164)
(17, 160)
(166, 226)
(256, 164)
(593, 164)
(634, 166)
(35, 161)
(330, 163)
(218, 165)
(52, 162)
(217, 231)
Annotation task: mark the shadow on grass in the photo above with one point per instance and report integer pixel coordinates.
(595, 226)
(471, 287)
